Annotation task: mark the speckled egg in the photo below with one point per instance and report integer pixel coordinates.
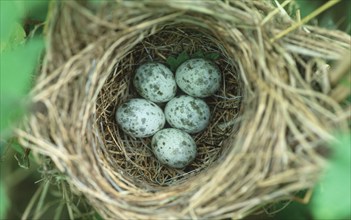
(198, 77)
(155, 82)
(187, 113)
(173, 147)
(140, 118)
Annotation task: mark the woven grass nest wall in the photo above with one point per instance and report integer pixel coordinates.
(271, 119)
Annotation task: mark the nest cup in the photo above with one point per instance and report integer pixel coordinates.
(270, 120)
(135, 155)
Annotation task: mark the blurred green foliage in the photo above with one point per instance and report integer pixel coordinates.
(17, 66)
(294, 211)
(16, 11)
(332, 199)
(17, 36)
(4, 204)
(337, 17)
(19, 57)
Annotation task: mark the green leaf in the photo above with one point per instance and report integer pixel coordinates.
(13, 11)
(198, 54)
(4, 204)
(17, 36)
(332, 199)
(175, 62)
(10, 12)
(16, 69)
(182, 57)
(212, 56)
(11, 143)
(22, 156)
(172, 63)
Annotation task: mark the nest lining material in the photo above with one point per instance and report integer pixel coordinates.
(135, 154)
(271, 119)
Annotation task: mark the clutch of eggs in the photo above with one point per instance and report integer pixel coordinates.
(155, 82)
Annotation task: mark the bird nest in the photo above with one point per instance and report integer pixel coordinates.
(270, 123)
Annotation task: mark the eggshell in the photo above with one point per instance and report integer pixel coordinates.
(140, 118)
(155, 82)
(173, 147)
(198, 77)
(187, 113)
